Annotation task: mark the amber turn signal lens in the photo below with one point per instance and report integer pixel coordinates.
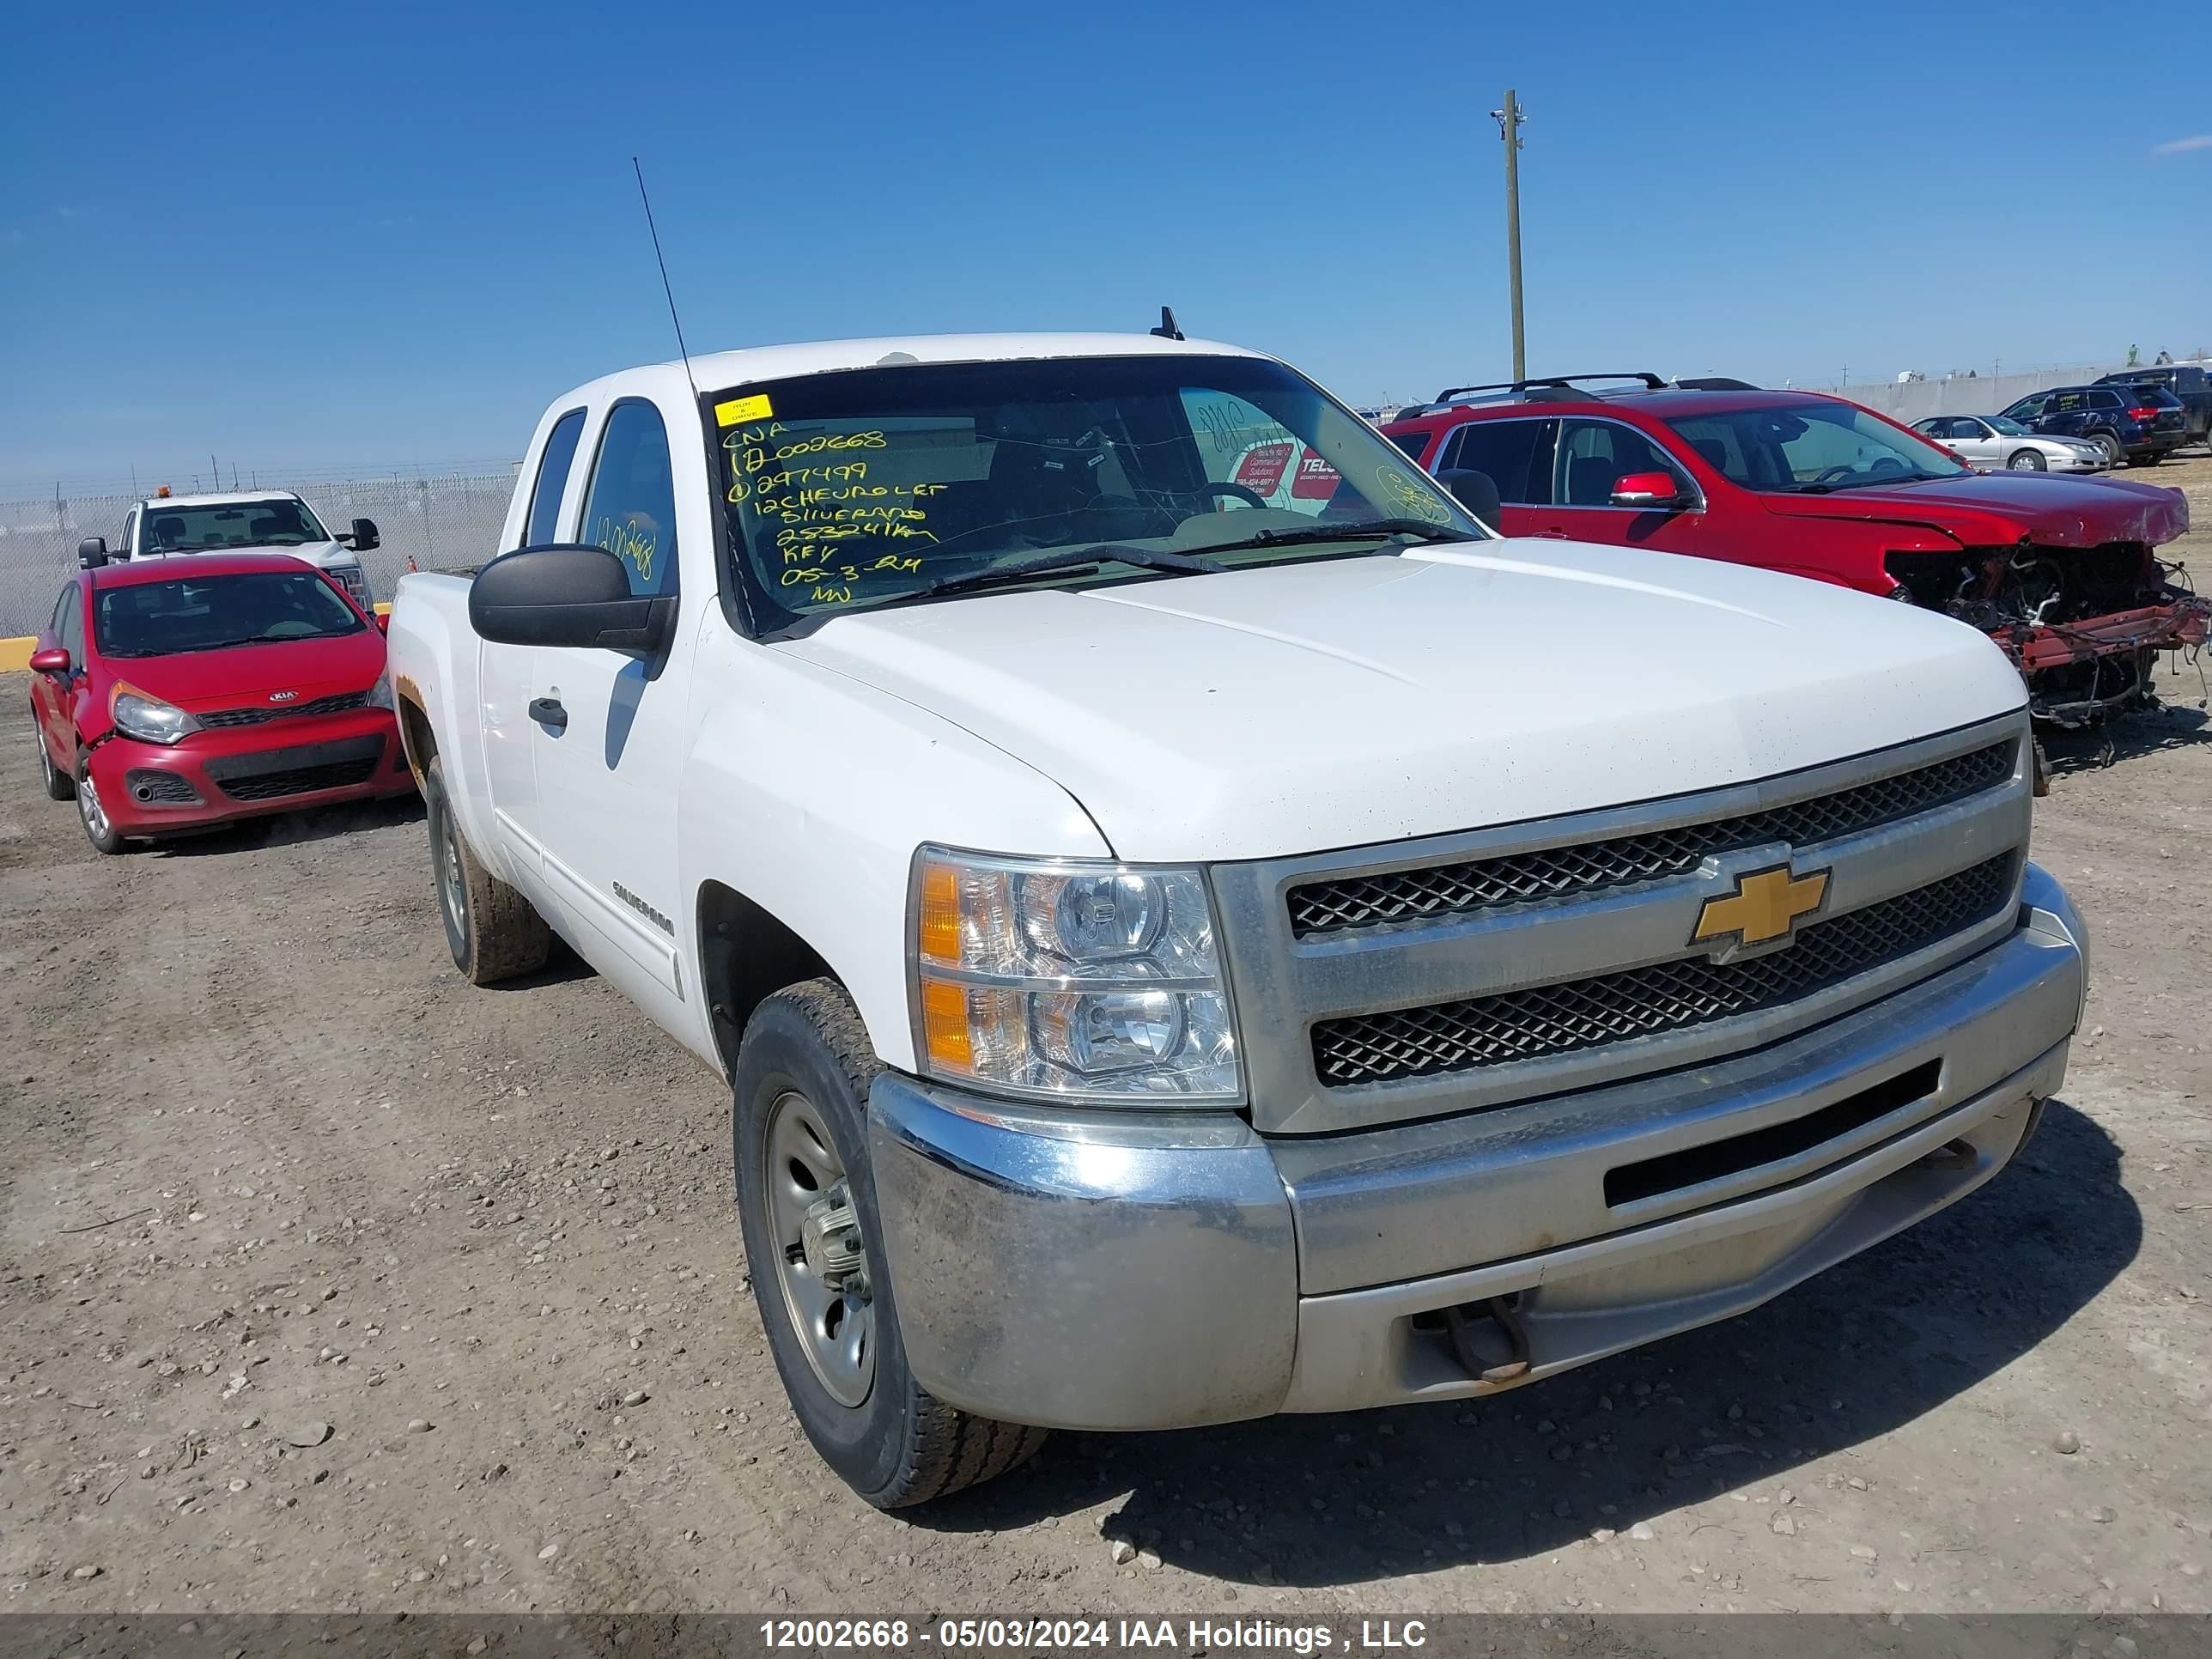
(940, 914)
(945, 1023)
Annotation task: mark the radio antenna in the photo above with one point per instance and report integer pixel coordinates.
(682, 350)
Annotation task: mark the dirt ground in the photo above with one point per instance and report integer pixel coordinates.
(332, 1284)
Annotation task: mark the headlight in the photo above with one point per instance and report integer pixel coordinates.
(380, 695)
(148, 719)
(1070, 981)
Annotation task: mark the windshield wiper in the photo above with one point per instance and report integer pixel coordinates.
(1068, 559)
(1423, 530)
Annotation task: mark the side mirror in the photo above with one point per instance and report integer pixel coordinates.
(1646, 489)
(1476, 491)
(54, 660)
(382, 619)
(92, 552)
(363, 538)
(565, 594)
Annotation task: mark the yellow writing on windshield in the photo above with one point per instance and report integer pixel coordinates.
(817, 500)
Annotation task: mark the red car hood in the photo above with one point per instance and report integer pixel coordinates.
(1990, 509)
(246, 675)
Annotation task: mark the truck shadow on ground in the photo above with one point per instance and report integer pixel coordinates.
(1852, 1355)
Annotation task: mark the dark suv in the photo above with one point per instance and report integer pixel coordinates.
(2143, 422)
(2190, 382)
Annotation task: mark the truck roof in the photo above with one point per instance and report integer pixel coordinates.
(231, 498)
(718, 369)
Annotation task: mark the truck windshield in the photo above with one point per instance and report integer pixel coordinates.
(1810, 447)
(281, 521)
(208, 613)
(855, 488)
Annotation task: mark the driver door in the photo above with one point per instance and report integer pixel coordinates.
(1591, 455)
(1971, 441)
(609, 731)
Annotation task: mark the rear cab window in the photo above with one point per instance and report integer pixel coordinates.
(542, 526)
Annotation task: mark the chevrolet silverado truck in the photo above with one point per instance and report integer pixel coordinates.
(1183, 951)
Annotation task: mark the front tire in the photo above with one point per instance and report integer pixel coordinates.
(59, 785)
(806, 1201)
(491, 929)
(2026, 460)
(2110, 443)
(93, 813)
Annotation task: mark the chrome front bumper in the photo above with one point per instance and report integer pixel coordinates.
(1162, 1270)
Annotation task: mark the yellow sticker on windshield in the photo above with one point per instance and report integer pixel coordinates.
(738, 410)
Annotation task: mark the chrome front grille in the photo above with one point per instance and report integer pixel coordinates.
(1550, 872)
(1463, 971)
(1667, 996)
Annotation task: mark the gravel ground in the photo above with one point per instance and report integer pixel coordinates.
(332, 1284)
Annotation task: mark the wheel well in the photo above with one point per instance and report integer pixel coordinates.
(416, 736)
(745, 957)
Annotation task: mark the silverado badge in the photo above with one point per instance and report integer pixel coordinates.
(1765, 907)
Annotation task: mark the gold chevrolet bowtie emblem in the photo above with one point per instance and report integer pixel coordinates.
(1765, 906)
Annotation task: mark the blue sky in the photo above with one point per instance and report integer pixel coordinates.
(313, 237)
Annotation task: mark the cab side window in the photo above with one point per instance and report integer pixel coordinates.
(542, 525)
(630, 510)
(130, 524)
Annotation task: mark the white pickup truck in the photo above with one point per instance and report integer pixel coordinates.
(255, 521)
(1181, 956)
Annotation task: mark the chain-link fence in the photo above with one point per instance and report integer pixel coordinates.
(440, 522)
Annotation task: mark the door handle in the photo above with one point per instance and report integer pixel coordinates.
(548, 711)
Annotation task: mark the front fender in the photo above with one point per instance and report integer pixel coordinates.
(808, 792)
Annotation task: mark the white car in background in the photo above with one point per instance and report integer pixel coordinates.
(256, 521)
(1988, 442)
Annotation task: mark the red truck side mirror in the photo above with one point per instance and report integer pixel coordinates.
(1646, 489)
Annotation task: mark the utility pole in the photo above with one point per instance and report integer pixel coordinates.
(1509, 121)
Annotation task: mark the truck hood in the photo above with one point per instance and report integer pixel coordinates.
(1995, 509)
(1300, 707)
(246, 675)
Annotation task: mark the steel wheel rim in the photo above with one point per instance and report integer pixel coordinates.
(88, 803)
(834, 1322)
(452, 887)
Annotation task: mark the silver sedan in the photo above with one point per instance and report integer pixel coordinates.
(1988, 442)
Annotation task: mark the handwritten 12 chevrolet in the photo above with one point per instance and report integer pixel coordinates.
(1182, 944)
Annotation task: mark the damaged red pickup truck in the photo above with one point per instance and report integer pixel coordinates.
(2063, 573)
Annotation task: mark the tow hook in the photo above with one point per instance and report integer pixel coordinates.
(830, 1235)
(1490, 1337)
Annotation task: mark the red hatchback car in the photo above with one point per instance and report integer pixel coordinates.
(178, 694)
(2061, 572)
